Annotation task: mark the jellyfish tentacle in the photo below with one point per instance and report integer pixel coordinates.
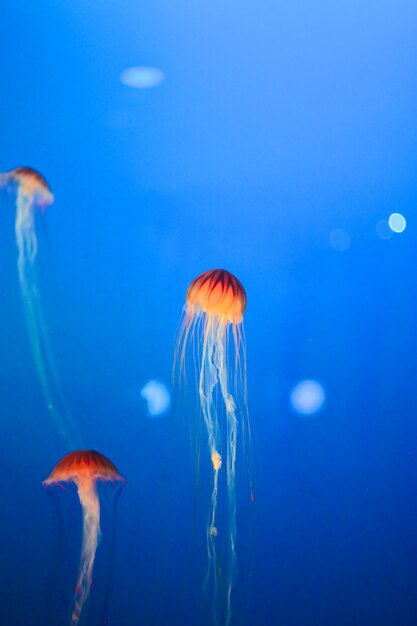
(32, 191)
(25, 231)
(211, 541)
(27, 246)
(91, 536)
(231, 431)
(207, 383)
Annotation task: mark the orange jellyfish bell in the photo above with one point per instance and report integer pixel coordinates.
(31, 184)
(85, 468)
(217, 293)
(83, 464)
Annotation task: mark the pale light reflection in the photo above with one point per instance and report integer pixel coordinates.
(307, 397)
(397, 222)
(339, 239)
(141, 77)
(157, 396)
(383, 230)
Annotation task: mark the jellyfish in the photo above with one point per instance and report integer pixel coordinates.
(213, 322)
(33, 191)
(85, 468)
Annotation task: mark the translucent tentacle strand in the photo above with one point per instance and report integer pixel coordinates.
(231, 430)
(46, 369)
(91, 535)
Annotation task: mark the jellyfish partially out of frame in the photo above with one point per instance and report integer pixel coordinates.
(213, 319)
(34, 192)
(85, 468)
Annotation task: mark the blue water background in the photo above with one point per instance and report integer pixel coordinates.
(277, 123)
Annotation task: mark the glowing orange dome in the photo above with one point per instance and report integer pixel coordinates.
(219, 294)
(29, 174)
(83, 464)
(31, 183)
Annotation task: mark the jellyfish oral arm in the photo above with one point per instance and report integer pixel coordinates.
(231, 426)
(207, 383)
(28, 197)
(213, 373)
(91, 535)
(25, 231)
